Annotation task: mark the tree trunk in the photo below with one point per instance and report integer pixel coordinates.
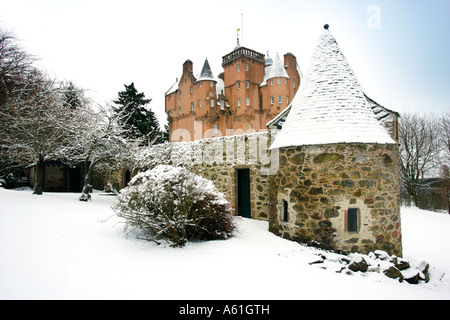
(87, 186)
(39, 182)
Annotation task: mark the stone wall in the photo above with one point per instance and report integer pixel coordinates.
(318, 184)
(216, 159)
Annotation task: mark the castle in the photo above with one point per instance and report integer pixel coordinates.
(250, 92)
(326, 170)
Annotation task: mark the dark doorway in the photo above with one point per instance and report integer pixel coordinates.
(74, 176)
(126, 178)
(243, 193)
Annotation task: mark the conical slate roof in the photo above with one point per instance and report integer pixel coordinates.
(330, 106)
(274, 70)
(206, 73)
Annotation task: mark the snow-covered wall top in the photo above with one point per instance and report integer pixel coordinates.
(330, 106)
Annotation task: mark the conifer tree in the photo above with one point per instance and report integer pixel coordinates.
(139, 121)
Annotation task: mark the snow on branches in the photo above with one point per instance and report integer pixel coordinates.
(175, 205)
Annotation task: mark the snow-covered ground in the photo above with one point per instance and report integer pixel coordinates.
(56, 247)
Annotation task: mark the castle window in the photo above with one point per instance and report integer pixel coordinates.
(246, 67)
(212, 103)
(287, 99)
(238, 84)
(279, 81)
(199, 103)
(179, 93)
(284, 212)
(250, 127)
(239, 102)
(200, 84)
(216, 129)
(271, 82)
(238, 67)
(272, 100)
(352, 220)
(192, 89)
(247, 84)
(247, 101)
(280, 98)
(211, 83)
(179, 110)
(285, 81)
(170, 113)
(192, 106)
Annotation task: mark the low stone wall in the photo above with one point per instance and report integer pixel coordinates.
(218, 160)
(318, 184)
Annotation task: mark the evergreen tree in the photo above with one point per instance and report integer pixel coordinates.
(139, 121)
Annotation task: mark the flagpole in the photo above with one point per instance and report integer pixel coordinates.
(242, 29)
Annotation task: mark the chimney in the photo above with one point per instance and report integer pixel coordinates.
(187, 66)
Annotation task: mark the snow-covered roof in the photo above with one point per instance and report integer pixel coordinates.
(274, 70)
(330, 106)
(206, 73)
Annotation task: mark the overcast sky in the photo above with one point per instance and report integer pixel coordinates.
(399, 49)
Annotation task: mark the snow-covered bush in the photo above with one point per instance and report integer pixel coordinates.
(175, 205)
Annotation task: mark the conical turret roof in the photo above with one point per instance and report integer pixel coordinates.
(330, 106)
(206, 73)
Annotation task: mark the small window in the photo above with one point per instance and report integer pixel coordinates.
(246, 67)
(238, 84)
(250, 127)
(200, 84)
(238, 67)
(212, 103)
(192, 89)
(192, 106)
(285, 212)
(170, 113)
(280, 98)
(179, 110)
(179, 93)
(247, 101)
(279, 81)
(287, 99)
(211, 83)
(271, 82)
(353, 220)
(247, 84)
(216, 129)
(271, 100)
(199, 103)
(239, 102)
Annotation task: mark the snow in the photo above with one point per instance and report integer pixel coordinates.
(275, 70)
(56, 247)
(330, 106)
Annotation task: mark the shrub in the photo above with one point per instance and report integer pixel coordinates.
(175, 205)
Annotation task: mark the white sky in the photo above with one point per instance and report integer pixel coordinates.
(402, 61)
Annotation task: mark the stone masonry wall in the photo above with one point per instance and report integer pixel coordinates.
(218, 160)
(320, 184)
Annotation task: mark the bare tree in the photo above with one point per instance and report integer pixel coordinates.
(32, 121)
(444, 129)
(14, 63)
(419, 151)
(98, 137)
